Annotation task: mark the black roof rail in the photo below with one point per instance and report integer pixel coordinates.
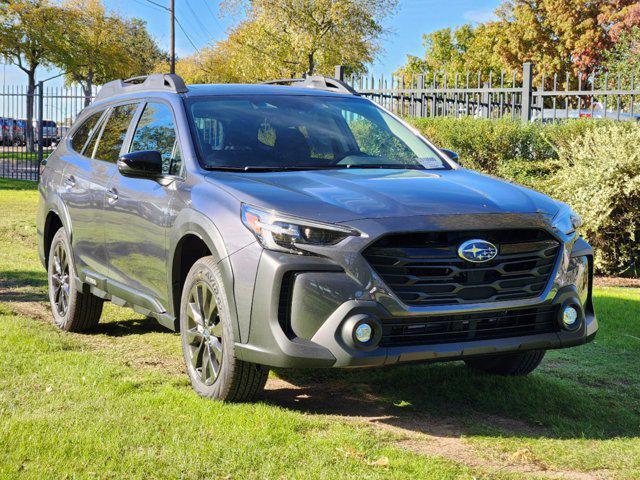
(316, 81)
(158, 81)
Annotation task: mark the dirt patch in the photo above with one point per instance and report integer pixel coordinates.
(123, 337)
(37, 310)
(420, 433)
(616, 282)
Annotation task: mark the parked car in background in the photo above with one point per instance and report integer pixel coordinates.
(50, 134)
(7, 137)
(597, 113)
(20, 132)
(302, 226)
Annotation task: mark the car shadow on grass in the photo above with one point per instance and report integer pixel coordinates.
(23, 286)
(134, 326)
(591, 392)
(452, 400)
(28, 287)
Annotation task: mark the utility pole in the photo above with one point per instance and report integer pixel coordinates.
(172, 48)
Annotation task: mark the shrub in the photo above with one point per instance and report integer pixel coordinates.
(536, 174)
(485, 144)
(600, 178)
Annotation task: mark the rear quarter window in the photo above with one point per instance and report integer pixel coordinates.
(114, 132)
(84, 131)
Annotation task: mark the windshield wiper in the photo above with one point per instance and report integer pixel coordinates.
(294, 168)
(390, 166)
(260, 168)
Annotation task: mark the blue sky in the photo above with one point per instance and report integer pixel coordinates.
(203, 25)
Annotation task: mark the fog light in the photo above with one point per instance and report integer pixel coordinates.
(363, 332)
(570, 317)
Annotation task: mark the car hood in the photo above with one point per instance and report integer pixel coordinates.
(349, 194)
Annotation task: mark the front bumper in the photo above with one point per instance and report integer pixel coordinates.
(303, 310)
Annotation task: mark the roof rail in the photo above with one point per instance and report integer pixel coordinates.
(316, 81)
(157, 81)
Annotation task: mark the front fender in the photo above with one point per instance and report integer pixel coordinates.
(192, 222)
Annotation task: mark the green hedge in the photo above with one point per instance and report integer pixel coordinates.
(592, 165)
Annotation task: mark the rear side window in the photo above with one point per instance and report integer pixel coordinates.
(84, 131)
(156, 131)
(114, 132)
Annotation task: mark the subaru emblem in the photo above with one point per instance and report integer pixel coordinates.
(477, 251)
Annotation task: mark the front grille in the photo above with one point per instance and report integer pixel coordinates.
(468, 327)
(424, 268)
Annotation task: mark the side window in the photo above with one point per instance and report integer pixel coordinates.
(114, 132)
(156, 131)
(84, 131)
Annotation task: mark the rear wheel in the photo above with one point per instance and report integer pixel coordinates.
(521, 363)
(72, 310)
(208, 341)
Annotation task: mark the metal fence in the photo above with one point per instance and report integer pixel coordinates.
(513, 94)
(23, 143)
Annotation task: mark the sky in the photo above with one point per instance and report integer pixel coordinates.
(203, 25)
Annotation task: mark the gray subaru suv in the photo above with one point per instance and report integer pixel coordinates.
(295, 224)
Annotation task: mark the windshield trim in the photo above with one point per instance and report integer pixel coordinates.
(447, 163)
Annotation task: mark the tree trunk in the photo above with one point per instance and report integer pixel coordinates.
(87, 87)
(312, 65)
(31, 90)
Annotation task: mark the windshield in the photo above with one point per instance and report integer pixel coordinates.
(299, 132)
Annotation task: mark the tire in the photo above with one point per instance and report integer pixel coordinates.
(208, 342)
(72, 310)
(511, 364)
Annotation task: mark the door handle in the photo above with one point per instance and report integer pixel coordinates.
(70, 181)
(112, 195)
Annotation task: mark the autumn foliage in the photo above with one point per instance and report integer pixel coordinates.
(559, 36)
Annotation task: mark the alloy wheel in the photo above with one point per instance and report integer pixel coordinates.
(204, 333)
(60, 280)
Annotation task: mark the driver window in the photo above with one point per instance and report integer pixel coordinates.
(156, 131)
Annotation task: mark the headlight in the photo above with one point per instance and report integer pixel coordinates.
(567, 221)
(282, 233)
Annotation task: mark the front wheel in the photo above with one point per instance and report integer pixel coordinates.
(72, 310)
(521, 363)
(208, 340)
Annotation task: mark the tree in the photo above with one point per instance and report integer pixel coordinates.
(450, 51)
(558, 36)
(281, 38)
(624, 57)
(104, 47)
(562, 35)
(31, 32)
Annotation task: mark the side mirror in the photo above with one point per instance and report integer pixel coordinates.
(142, 164)
(451, 154)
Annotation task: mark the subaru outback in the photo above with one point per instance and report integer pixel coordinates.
(298, 225)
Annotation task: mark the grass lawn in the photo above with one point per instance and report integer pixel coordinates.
(22, 155)
(116, 403)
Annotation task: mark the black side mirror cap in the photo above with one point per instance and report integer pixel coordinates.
(141, 164)
(451, 154)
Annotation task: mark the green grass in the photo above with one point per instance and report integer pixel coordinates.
(115, 404)
(23, 155)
